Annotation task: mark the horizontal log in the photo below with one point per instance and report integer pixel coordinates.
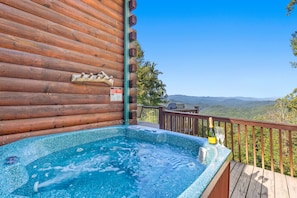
(132, 92)
(18, 16)
(107, 10)
(38, 86)
(133, 77)
(12, 28)
(116, 5)
(24, 58)
(26, 72)
(35, 11)
(132, 106)
(23, 98)
(26, 45)
(38, 111)
(88, 15)
(37, 124)
(5, 139)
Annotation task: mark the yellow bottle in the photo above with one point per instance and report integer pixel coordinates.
(211, 133)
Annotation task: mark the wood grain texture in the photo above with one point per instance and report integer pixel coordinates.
(12, 28)
(36, 124)
(44, 42)
(26, 72)
(24, 99)
(268, 184)
(25, 45)
(39, 111)
(243, 182)
(100, 14)
(34, 60)
(37, 86)
(5, 139)
(281, 189)
(235, 175)
(101, 40)
(48, 14)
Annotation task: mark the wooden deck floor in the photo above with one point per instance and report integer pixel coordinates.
(250, 181)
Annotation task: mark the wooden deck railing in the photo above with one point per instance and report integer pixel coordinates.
(272, 146)
(151, 113)
(148, 114)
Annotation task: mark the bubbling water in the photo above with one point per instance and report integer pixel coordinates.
(114, 167)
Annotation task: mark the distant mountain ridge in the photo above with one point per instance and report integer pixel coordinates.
(224, 101)
(236, 107)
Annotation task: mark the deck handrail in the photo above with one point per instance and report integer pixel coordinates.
(268, 145)
(151, 113)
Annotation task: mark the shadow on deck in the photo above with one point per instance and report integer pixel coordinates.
(251, 181)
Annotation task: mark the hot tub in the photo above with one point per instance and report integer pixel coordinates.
(118, 161)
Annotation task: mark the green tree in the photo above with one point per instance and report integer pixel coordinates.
(150, 89)
(281, 109)
(290, 6)
(293, 40)
(292, 101)
(284, 110)
(294, 47)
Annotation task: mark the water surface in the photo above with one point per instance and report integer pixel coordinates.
(113, 167)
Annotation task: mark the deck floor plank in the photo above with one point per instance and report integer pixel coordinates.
(232, 164)
(268, 184)
(292, 186)
(234, 176)
(255, 186)
(281, 188)
(249, 181)
(243, 183)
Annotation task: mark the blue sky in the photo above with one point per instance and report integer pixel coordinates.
(219, 48)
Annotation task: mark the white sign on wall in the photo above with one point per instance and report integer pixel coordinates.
(116, 94)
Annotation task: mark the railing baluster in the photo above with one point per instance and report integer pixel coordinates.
(254, 146)
(232, 142)
(179, 118)
(174, 123)
(239, 142)
(189, 126)
(182, 124)
(177, 123)
(195, 126)
(203, 132)
(192, 126)
(186, 125)
(262, 148)
(280, 152)
(291, 153)
(171, 123)
(246, 145)
(225, 129)
(271, 150)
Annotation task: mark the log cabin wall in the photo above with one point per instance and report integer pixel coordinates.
(44, 42)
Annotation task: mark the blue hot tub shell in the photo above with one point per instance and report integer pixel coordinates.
(15, 156)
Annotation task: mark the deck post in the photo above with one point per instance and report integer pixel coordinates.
(161, 117)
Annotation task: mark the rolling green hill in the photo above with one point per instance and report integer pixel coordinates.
(233, 107)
